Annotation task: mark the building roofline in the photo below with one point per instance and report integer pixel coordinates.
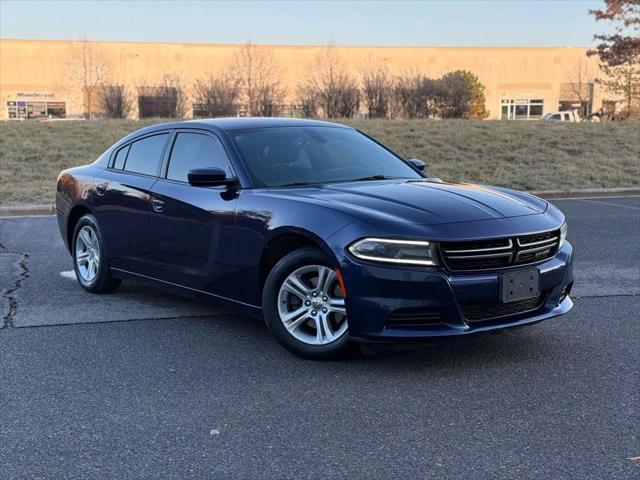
(278, 45)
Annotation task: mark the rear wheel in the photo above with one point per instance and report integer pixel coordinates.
(90, 259)
(304, 306)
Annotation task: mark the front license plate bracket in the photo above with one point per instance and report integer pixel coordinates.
(520, 285)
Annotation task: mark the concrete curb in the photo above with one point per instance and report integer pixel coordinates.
(49, 209)
(587, 192)
(28, 209)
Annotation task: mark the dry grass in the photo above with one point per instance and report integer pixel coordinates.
(522, 155)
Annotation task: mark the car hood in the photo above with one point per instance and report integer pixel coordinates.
(420, 201)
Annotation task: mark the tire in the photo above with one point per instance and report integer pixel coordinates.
(309, 307)
(90, 261)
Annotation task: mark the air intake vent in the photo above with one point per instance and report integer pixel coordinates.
(491, 311)
(500, 253)
(566, 290)
(410, 317)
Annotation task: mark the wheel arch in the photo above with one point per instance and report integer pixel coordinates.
(284, 240)
(75, 214)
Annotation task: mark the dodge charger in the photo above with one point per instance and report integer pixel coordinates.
(324, 232)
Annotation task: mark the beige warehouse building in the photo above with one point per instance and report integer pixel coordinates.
(36, 77)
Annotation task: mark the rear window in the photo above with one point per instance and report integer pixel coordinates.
(145, 155)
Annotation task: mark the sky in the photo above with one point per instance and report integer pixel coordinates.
(397, 23)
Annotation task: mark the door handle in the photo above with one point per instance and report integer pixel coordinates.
(158, 206)
(101, 188)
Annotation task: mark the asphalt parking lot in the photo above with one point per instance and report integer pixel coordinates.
(145, 384)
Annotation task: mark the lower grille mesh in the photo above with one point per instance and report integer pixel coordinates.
(482, 312)
(410, 317)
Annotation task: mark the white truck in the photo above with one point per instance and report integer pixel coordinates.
(566, 116)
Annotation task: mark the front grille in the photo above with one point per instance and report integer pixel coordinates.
(500, 252)
(491, 311)
(414, 317)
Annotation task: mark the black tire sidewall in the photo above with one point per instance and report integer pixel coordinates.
(282, 269)
(103, 281)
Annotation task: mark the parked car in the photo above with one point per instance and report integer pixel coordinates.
(325, 233)
(568, 116)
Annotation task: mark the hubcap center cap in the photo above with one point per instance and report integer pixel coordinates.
(317, 303)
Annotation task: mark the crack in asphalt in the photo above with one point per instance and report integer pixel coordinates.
(10, 293)
(3, 249)
(129, 320)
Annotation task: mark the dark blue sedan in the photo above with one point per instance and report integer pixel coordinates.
(327, 234)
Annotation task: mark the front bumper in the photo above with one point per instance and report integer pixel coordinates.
(376, 292)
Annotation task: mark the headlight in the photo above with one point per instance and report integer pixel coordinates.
(409, 252)
(563, 234)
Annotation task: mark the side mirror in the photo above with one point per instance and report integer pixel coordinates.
(209, 177)
(419, 164)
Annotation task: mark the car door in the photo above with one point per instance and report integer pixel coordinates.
(192, 227)
(122, 204)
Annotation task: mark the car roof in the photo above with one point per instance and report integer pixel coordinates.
(240, 123)
(229, 124)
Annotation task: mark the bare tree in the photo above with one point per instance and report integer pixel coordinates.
(216, 96)
(167, 98)
(406, 95)
(308, 101)
(259, 75)
(87, 67)
(623, 82)
(114, 100)
(337, 92)
(349, 97)
(377, 89)
(579, 87)
(415, 95)
(269, 101)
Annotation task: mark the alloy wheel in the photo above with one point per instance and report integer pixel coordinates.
(311, 305)
(87, 253)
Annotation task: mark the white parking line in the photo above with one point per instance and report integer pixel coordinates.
(591, 198)
(610, 204)
(70, 274)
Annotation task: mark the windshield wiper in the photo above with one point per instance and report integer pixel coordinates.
(373, 177)
(362, 179)
(295, 184)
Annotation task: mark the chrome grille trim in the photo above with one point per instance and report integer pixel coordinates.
(540, 242)
(475, 250)
(488, 255)
(514, 251)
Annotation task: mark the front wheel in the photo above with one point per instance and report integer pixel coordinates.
(90, 259)
(304, 306)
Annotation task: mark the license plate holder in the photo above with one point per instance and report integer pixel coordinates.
(520, 285)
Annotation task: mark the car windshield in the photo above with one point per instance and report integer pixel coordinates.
(284, 156)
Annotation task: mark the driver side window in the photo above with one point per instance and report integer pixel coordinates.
(195, 150)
